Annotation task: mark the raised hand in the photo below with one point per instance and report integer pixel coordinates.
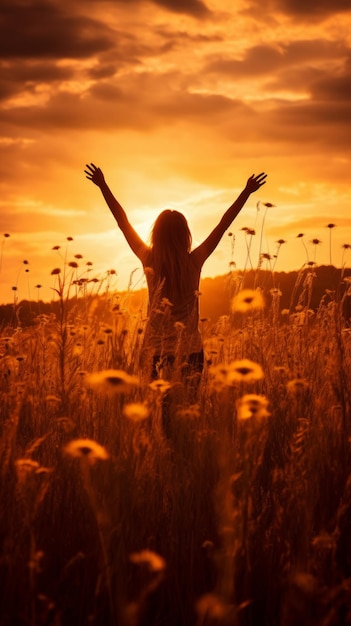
(94, 174)
(255, 182)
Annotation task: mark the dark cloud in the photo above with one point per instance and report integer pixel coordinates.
(103, 71)
(265, 59)
(23, 77)
(181, 36)
(257, 60)
(145, 102)
(294, 80)
(147, 99)
(66, 112)
(192, 7)
(303, 10)
(315, 126)
(148, 102)
(44, 30)
(204, 108)
(336, 88)
(313, 7)
(332, 115)
(317, 79)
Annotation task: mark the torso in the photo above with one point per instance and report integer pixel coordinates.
(172, 326)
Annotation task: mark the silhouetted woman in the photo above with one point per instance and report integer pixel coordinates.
(172, 271)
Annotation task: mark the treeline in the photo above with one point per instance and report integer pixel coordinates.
(307, 286)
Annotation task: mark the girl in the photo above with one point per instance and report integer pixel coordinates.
(172, 271)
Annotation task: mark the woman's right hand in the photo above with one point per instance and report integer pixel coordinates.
(94, 174)
(255, 182)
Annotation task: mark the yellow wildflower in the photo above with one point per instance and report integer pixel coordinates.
(247, 300)
(297, 385)
(136, 411)
(160, 385)
(86, 449)
(252, 405)
(112, 381)
(244, 371)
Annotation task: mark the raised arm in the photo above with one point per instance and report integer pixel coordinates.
(203, 251)
(138, 246)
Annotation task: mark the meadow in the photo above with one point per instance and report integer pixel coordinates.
(239, 515)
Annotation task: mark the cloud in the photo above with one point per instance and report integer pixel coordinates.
(311, 8)
(194, 8)
(143, 101)
(263, 59)
(306, 11)
(179, 37)
(45, 30)
(333, 88)
(25, 77)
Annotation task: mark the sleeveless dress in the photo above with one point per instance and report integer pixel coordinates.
(173, 325)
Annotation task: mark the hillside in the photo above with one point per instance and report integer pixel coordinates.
(309, 284)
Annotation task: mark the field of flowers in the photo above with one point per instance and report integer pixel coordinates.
(239, 515)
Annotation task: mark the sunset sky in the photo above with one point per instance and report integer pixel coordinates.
(178, 101)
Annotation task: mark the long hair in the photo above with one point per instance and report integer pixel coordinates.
(170, 247)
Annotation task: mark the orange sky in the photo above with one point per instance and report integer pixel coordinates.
(178, 101)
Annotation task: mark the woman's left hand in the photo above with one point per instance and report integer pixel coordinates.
(94, 174)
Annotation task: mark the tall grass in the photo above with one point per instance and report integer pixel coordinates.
(240, 517)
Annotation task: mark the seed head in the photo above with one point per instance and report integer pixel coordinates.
(247, 300)
(160, 385)
(112, 381)
(244, 371)
(252, 405)
(297, 386)
(26, 466)
(86, 449)
(275, 292)
(136, 411)
(153, 561)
